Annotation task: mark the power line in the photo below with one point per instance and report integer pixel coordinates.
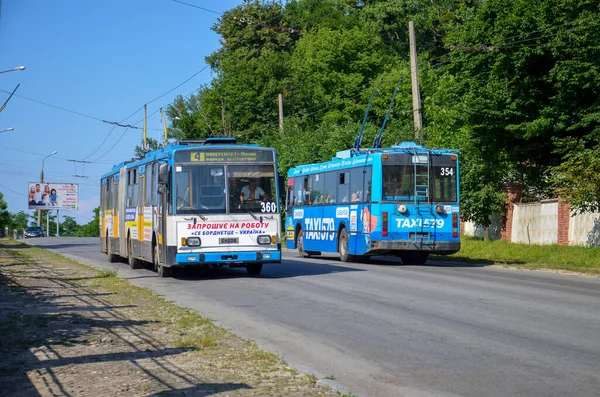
(112, 147)
(10, 190)
(55, 106)
(179, 85)
(198, 7)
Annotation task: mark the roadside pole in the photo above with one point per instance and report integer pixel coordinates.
(414, 73)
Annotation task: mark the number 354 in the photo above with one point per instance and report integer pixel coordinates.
(268, 207)
(446, 171)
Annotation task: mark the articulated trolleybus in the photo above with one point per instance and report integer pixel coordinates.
(208, 202)
(401, 201)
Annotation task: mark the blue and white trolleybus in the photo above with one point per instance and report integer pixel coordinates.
(401, 201)
(210, 202)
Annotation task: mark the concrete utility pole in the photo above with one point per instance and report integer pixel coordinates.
(280, 100)
(414, 73)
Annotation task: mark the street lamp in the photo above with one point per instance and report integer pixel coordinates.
(39, 220)
(14, 69)
(42, 174)
(8, 129)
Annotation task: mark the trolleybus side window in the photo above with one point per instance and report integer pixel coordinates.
(344, 187)
(316, 192)
(298, 190)
(330, 187)
(132, 193)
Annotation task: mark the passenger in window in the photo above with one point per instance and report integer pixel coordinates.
(356, 196)
(251, 192)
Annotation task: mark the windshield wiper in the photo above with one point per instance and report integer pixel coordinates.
(191, 207)
(241, 206)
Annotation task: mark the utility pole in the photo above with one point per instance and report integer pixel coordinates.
(280, 100)
(414, 73)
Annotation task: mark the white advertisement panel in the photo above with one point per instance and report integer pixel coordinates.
(53, 196)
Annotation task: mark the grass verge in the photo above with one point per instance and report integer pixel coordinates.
(577, 259)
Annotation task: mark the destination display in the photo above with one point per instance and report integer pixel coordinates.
(224, 156)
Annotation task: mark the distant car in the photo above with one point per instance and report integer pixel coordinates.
(35, 231)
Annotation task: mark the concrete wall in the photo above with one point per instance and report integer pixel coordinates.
(471, 229)
(584, 229)
(535, 223)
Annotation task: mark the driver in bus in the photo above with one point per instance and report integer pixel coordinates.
(252, 192)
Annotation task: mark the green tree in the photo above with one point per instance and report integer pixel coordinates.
(92, 228)
(69, 226)
(4, 215)
(19, 221)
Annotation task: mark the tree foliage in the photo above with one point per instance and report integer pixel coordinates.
(513, 84)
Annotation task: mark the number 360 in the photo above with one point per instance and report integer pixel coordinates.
(268, 207)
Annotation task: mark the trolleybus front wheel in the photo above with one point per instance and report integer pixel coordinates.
(344, 252)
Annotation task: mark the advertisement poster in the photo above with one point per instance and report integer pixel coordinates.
(53, 196)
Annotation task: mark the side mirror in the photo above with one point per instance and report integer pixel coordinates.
(162, 189)
(163, 173)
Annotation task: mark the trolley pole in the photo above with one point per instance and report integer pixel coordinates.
(414, 73)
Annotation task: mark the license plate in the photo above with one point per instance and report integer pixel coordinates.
(228, 240)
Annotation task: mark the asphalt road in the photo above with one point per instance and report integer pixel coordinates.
(383, 329)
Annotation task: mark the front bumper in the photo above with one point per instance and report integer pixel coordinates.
(240, 258)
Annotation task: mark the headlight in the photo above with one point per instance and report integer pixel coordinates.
(193, 242)
(264, 240)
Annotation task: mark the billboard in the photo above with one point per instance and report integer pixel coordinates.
(53, 196)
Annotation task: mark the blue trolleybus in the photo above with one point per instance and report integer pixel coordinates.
(401, 201)
(208, 202)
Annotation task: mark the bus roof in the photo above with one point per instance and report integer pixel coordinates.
(350, 158)
(167, 151)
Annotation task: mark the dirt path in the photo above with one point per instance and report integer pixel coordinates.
(70, 330)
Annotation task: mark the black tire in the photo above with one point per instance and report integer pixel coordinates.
(300, 245)
(254, 269)
(343, 248)
(112, 258)
(155, 257)
(133, 262)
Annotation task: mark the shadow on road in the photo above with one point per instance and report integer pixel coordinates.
(289, 268)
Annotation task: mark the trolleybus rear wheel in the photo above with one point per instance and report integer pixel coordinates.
(133, 262)
(112, 258)
(344, 255)
(300, 245)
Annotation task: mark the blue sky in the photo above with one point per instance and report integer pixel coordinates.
(104, 59)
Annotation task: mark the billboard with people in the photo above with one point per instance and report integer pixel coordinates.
(55, 196)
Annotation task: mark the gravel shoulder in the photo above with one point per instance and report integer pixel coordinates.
(70, 330)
